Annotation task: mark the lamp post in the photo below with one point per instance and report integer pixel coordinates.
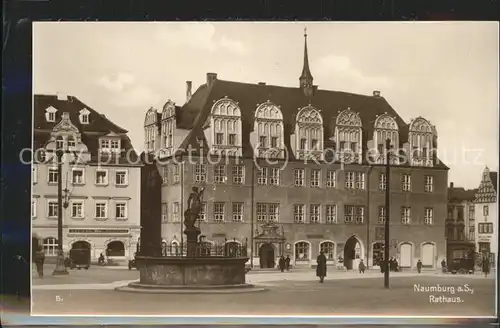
(60, 267)
(387, 211)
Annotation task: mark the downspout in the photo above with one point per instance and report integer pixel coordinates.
(182, 205)
(252, 197)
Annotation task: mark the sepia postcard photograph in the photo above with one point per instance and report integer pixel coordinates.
(311, 169)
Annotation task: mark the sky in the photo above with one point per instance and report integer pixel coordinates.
(445, 72)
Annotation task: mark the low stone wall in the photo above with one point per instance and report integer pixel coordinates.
(185, 271)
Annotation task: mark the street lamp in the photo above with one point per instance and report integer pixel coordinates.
(387, 211)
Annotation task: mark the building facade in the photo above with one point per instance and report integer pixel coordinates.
(298, 170)
(486, 209)
(100, 180)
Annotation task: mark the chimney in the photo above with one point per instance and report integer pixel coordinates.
(189, 85)
(211, 77)
(62, 96)
(451, 184)
(262, 83)
(376, 93)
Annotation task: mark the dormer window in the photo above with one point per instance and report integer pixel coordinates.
(309, 133)
(59, 142)
(50, 114)
(225, 126)
(348, 135)
(421, 136)
(110, 145)
(84, 116)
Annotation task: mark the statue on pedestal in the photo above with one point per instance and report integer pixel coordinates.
(194, 204)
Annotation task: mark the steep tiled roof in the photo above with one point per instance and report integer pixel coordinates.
(98, 125)
(459, 194)
(196, 112)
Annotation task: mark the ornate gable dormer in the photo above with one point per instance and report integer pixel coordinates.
(486, 192)
(309, 133)
(348, 136)
(224, 133)
(65, 125)
(385, 127)
(268, 136)
(84, 116)
(50, 114)
(421, 139)
(168, 126)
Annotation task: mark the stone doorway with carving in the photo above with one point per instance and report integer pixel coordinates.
(269, 244)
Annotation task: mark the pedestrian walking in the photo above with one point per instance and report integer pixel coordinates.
(419, 266)
(281, 263)
(486, 266)
(443, 266)
(321, 266)
(361, 267)
(39, 260)
(287, 263)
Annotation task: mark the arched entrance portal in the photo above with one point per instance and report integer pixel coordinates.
(266, 256)
(352, 252)
(115, 248)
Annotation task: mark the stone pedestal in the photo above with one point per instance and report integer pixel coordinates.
(192, 240)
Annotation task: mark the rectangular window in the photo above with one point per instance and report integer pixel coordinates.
(104, 144)
(348, 214)
(331, 178)
(52, 117)
(471, 213)
(315, 177)
(428, 215)
(381, 215)
(77, 209)
(274, 176)
(176, 175)
(219, 212)
(164, 212)
(101, 210)
(53, 176)
(200, 175)
(175, 212)
(33, 208)
(405, 215)
(360, 214)
(314, 144)
(77, 176)
(303, 143)
(101, 177)
(342, 145)
(52, 209)
(354, 147)
(299, 213)
(274, 212)
(472, 235)
(382, 182)
(360, 180)
(121, 177)
(262, 178)
(299, 177)
(121, 210)
(314, 214)
(406, 182)
(486, 210)
(202, 216)
(232, 139)
(165, 174)
(115, 145)
(219, 138)
(238, 212)
(263, 141)
(220, 174)
(238, 174)
(485, 227)
(34, 174)
(350, 180)
(274, 142)
(331, 214)
(429, 183)
(261, 212)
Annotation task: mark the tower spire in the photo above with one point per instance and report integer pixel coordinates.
(306, 78)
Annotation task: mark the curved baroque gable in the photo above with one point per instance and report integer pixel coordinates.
(150, 117)
(309, 115)
(386, 122)
(420, 124)
(268, 111)
(226, 107)
(349, 118)
(168, 110)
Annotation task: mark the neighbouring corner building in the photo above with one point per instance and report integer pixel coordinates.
(270, 160)
(100, 179)
(486, 209)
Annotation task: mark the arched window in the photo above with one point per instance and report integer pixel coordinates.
(348, 132)
(59, 142)
(226, 127)
(302, 251)
(309, 133)
(328, 248)
(385, 127)
(115, 248)
(175, 251)
(269, 126)
(50, 246)
(421, 138)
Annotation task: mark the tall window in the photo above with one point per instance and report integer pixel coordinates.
(274, 176)
(200, 174)
(315, 177)
(59, 142)
(33, 208)
(299, 177)
(349, 213)
(164, 174)
(202, 216)
(121, 210)
(53, 176)
(220, 174)
(405, 215)
(34, 174)
(121, 178)
(314, 214)
(176, 175)
(77, 209)
(429, 183)
(428, 215)
(219, 212)
(261, 212)
(328, 248)
(101, 210)
(331, 214)
(164, 212)
(406, 182)
(382, 182)
(301, 251)
(262, 178)
(299, 213)
(486, 210)
(238, 174)
(101, 177)
(263, 141)
(50, 246)
(232, 139)
(175, 212)
(331, 178)
(274, 212)
(360, 214)
(52, 209)
(381, 215)
(237, 212)
(267, 212)
(360, 180)
(219, 138)
(77, 176)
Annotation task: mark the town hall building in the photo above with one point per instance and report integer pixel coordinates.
(299, 170)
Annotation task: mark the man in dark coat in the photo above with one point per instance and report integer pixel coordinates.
(486, 265)
(287, 263)
(281, 263)
(321, 266)
(419, 266)
(39, 260)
